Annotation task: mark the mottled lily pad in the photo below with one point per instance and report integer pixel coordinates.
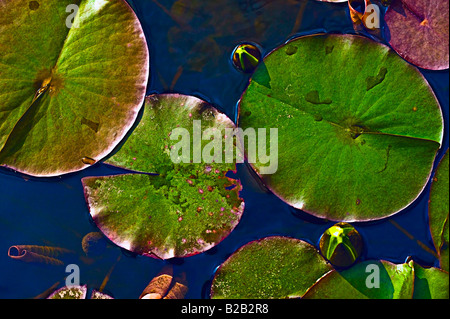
(70, 292)
(418, 31)
(77, 292)
(71, 85)
(438, 211)
(184, 210)
(351, 115)
(99, 295)
(270, 268)
(381, 280)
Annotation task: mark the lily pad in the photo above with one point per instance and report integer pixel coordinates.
(77, 292)
(418, 31)
(351, 115)
(438, 211)
(270, 268)
(71, 85)
(430, 283)
(70, 292)
(99, 295)
(381, 280)
(188, 207)
(389, 281)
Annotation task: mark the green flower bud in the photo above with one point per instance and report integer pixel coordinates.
(246, 57)
(341, 245)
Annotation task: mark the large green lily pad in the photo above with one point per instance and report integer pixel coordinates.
(358, 126)
(270, 268)
(382, 280)
(184, 210)
(71, 86)
(438, 211)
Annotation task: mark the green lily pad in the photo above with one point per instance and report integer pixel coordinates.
(270, 268)
(350, 114)
(389, 281)
(71, 85)
(188, 207)
(431, 283)
(381, 280)
(439, 210)
(418, 31)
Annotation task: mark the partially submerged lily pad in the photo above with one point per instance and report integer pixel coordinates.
(438, 211)
(418, 31)
(270, 268)
(164, 286)
(381, 280)
(188, 207)
(71, 85)
(351, 115)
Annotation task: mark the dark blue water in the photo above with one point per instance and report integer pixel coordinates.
(53, 211)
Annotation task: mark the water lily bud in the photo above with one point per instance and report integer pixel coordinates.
(246, 57)
(341, 245)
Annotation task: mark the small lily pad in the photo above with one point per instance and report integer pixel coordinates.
(350, 114)
(99, 295)
(418, 31)
(187, 207)
(438, 211)
(71, 82)
(270, 268)
(70, 292)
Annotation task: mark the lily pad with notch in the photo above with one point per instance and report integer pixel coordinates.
(70, 90)
(168, 208)
(358, 127)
